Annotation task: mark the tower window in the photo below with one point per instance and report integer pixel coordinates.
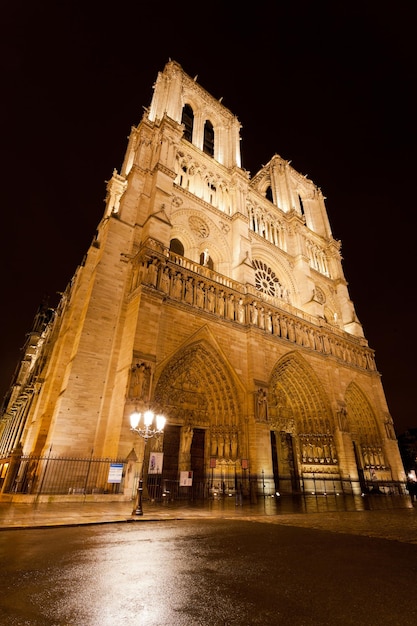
(301, 205)
(268, 194)
(208, 145)
(188, 121)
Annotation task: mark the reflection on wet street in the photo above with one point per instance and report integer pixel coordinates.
(211, 572)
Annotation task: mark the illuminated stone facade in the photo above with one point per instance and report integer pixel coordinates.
(220, 300)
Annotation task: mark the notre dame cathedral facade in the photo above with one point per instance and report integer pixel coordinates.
(218, 299)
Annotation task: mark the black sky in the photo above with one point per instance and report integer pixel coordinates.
(327, 85)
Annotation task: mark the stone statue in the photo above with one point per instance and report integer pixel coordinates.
(153, 272)
(241, 311)
(262, 404)
(138, 380)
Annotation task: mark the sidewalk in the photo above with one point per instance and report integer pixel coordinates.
(18, 515)
(399, 524)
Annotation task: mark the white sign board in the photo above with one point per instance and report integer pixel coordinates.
(115, 473)
(186, 479)
(156, 460)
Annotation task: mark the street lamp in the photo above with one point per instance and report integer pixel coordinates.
(147, 431)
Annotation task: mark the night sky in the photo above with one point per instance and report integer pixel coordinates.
(329, 86)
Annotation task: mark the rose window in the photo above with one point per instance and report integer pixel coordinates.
(266, 280)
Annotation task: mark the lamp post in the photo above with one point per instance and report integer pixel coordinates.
(146, 431)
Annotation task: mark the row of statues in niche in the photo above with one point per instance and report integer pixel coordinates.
(196, 292)
(229, 306)
(223, 442)
(318, 449)
(373, 456)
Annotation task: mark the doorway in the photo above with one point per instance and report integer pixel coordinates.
(197, 463)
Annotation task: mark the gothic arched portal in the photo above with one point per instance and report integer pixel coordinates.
(301, 422)
(367, 440)
(200, 397)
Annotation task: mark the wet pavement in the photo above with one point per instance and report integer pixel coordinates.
(381, 518)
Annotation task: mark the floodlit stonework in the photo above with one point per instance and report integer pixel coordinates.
(218, 299)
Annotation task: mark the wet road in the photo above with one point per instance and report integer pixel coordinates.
(204, 573)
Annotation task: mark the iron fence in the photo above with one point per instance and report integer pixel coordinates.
(256, 486)
(51, 475)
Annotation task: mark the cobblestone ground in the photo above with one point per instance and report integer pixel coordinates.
(398, 525)
(388, 519)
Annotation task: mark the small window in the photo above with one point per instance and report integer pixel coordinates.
(268, 194)
(208, 145)
(188, 121)
(176, 247)
(301, 205)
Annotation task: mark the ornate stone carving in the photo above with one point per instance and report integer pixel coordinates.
(140, 375)
(318, 295)
(177, 201)
(199, 226)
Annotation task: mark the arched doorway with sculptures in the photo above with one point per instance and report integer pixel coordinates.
(372, 467)
(303, 447)
(205, 437)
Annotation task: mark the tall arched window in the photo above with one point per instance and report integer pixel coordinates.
(208, 145)
(301, 204)
(176, 246)
(268, 194)
(188, 121)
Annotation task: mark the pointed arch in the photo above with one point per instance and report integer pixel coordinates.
(208, 139)
(370, 451)
(176, 246)
(297, 401)
(197, 385)
(361, 417)
(187, 119)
